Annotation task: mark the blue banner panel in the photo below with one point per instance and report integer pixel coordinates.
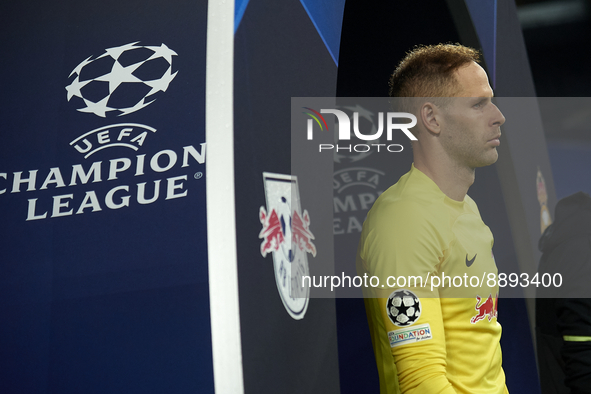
(103, 275)
(289, 340)
(327, 17)
(484, 18)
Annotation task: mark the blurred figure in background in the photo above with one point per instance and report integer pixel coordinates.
(563, 317)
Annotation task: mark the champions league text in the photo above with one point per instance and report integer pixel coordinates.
(119, 196)
(434, 282)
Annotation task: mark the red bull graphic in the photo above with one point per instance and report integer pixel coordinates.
(488, 308)
(301, 234)
(286, 234)
(271, 231)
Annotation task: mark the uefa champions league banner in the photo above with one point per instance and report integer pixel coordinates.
(103, 276)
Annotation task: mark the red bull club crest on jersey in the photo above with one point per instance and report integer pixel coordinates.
(286, 235)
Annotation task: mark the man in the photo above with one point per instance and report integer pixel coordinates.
(563, 318)
(445, 338)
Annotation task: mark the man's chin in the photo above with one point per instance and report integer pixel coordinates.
(494, 158)
(491, 158)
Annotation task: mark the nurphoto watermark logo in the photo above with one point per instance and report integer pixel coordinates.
(392, 122)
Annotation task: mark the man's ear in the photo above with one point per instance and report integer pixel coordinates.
(430, 117)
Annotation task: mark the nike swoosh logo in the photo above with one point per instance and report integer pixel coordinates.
(469, 262)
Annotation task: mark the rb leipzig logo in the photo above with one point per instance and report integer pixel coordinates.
(287, 236)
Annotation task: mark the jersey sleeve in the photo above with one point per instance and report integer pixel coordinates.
(421, 365)
(573, 315)
(401, 242)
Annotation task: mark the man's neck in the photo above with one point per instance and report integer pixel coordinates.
(452, 180)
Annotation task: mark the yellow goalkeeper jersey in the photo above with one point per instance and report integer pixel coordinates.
(433, 315)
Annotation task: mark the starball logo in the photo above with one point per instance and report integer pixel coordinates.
(344, 130)
(122, 80)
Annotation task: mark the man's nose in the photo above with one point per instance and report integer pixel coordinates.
(498, 117)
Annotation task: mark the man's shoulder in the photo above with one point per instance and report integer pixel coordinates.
(393, 201)
(472, 205)
(409, 198)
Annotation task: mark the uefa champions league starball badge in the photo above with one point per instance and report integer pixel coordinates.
(286, 235)
(403, 308)
(122, 80)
